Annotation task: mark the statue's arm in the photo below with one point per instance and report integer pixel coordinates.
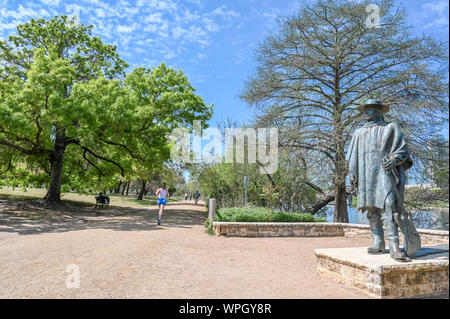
(399, 150)
(352, 160)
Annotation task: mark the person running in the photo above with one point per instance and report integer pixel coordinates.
(196, 197)
(161, 195)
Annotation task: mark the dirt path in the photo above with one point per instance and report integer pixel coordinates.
(125, 254)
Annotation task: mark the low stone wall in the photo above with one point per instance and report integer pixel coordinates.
(432, 237)
(278, 229)
(428, 236)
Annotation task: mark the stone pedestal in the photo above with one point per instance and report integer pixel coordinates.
(381, 277)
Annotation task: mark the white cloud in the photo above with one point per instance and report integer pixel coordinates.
(441, 9)
(100, 13)
(439, 6)
(177, 32)
(50, 2)
(170, 55)
(187, 16)
(155, 17)
(210, 25)
(125, 28)
(157, 29)
(222, 11)
(151, 28)
(8, 26)
(139, 50)
(44, 12)
(198, 3)
(20, 13)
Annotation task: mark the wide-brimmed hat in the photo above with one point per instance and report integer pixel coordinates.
(376, 104)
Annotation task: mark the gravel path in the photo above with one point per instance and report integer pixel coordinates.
(128, 255)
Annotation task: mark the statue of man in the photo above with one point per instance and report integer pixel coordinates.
(378, 158)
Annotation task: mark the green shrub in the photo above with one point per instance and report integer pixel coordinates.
(209, 227)
(262, 214)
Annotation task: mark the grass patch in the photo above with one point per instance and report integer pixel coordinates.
(78, 200)
(209, 227)
(16, 196)
(261, 214)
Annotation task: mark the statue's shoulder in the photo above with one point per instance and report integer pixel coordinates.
(359, 130)
(393, 126)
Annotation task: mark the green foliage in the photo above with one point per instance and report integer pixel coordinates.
(209, 227)
(441, 175)
(271, 194)
(262, 214)
(62, 88)
(289, 186)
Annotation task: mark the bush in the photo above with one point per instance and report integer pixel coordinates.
(354, 201)
(262, 214)
(209, 227)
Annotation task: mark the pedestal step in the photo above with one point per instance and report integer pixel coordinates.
(382, 277)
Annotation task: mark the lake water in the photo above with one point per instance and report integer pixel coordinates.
(424, 219)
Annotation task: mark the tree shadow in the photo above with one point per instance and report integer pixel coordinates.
(31, 216)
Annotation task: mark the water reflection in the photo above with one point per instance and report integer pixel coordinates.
(423, 219)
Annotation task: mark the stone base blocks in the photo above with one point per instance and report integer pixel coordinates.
(250, 229)
(265, 229)
(381, 277)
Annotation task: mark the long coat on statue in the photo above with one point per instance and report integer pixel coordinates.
(369, 145)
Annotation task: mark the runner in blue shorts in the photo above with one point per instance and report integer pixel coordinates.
(161, 196)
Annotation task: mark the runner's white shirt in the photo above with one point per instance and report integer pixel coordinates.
(162, 193)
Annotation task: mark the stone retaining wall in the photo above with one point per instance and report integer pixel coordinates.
(249, 229)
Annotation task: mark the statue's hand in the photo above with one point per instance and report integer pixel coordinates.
(388, 164)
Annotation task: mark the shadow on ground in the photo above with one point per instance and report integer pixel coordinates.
(30, 216)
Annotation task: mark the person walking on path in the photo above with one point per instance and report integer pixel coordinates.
(185, 197)
(190, 197)
(161, 195)
(196, 197)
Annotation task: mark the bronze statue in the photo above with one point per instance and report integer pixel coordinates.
(378, 157)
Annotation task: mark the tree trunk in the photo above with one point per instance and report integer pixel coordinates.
(141, 193)
(340, 203)
(340, 168)
(124, 187)
(128, 188)
(56, 161)
(318, 206)
(117, 189)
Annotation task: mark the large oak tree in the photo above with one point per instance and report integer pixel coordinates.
(69, 115)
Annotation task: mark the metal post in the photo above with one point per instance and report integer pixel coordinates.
(246, 187)
(212, 209)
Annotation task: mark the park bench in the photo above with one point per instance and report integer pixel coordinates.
(103, 200)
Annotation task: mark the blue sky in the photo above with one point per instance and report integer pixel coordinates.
(213, 41)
